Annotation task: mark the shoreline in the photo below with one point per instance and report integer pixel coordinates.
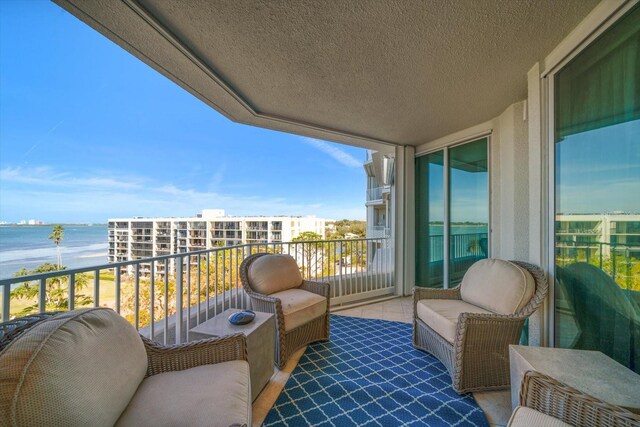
(95, 255)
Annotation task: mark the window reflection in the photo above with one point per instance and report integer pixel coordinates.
(597, 187)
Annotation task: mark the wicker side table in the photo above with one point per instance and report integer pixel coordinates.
(260, 343)
(590, 372)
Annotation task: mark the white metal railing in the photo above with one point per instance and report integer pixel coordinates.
(374, 193)
(378, 231)
(198, 285)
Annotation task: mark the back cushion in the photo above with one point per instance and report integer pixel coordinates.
(79, 368)
(274, 273)
(498, 286)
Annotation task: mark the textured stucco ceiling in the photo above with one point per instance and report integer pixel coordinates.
(397, 71)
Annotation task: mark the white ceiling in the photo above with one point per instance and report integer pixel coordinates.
(359, 72)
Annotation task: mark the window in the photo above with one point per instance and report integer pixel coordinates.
(452, 213)
(597, 181)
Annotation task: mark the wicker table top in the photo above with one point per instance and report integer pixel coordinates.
(220, 326)
(591, 372)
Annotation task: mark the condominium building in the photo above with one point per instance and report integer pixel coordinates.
(379, 168)
(138, 238)
(599, 233)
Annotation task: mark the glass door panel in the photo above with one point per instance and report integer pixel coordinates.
(597, 196)
(430, 220)
(452, 213)
(468, 207)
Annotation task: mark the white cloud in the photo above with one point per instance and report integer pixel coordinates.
(61, 196)
(45, 176)
(333, 151)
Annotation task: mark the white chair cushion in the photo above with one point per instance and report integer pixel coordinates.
(274, 273)
(78, 368)
(300, 307)
(527, 417)
(207, 395)
(496, 285)
(442, 315)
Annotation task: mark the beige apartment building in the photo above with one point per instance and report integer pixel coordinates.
(138, 238)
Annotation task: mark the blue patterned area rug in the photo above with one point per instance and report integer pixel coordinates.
(369, 374)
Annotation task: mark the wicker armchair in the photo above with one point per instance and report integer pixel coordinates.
(178, 357)
(160, 358)
(477, 356)
(288, 340)
(552, 398)
(96, 360)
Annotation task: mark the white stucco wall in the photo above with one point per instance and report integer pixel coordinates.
(517, 202)
(509, 174)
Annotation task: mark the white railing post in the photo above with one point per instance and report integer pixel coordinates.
(179, 287)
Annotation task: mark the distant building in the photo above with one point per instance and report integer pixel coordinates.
(379, 168)
(380, 204)
(599, 234)
(139, 238)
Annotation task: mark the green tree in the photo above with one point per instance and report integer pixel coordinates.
(310, 254)
(128, 304)
(306, 236)
(344, 227)
(56, 290)
(57, 234)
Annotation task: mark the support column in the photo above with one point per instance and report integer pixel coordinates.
(403, 204)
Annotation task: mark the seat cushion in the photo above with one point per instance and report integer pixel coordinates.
(527, 417)
(274, 273)
(300, 307)
(442, 315)
(498, 286)
(77, 368)
(207, 395)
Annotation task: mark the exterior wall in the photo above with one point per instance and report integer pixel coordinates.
(509, 172)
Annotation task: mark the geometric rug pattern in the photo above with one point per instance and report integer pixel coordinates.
(369, 374)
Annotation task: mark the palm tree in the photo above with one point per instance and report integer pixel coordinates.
(57, 235)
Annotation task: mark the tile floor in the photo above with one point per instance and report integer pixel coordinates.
(496, 405)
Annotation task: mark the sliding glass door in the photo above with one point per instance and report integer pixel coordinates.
(597, 196)
(468, 207)
(430, 220)
(452, 213)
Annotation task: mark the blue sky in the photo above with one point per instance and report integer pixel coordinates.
(598, 171)
(89, 132)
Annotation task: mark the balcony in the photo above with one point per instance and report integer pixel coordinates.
(378, 231)
(375, 196)
(408, 91)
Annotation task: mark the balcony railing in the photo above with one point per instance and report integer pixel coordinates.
(378, 231)
(199, 285)
(374, 193)
(618, 260)
(464, 249)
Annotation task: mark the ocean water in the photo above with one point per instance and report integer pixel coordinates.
(437, 229)
(29, 246)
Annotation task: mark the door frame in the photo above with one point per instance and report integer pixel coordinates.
(445, 183)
